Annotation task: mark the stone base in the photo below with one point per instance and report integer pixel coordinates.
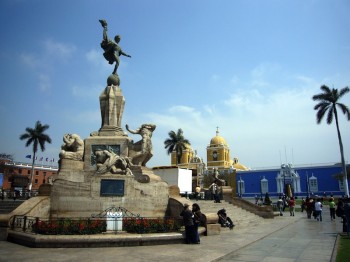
(69, 164)
(83, 199)
(111, 131)
(213, 229)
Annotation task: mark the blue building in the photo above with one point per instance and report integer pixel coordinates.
(289, 180)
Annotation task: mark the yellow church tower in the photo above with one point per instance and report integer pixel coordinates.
(218, 153)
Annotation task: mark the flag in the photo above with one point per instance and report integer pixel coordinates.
(41, 159)
(28, 156)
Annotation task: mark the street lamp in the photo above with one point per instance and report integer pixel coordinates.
(307, 184)
(240, 186)
(260, 189)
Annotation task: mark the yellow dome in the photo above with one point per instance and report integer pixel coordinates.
(218, 140)
(235, 163)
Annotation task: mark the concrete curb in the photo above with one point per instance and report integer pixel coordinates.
(98, 240)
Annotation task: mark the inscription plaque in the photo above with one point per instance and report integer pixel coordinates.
(112, 187)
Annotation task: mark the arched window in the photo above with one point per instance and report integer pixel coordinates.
(341, 185)
(313, 184)
(264, 184)
(240, 187)
(215, 156)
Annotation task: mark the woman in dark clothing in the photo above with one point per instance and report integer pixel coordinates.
(197, 215)
(188, 223)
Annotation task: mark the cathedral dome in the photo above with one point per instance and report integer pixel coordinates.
(218, 140)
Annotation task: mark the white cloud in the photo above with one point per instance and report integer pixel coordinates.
(94, 57)
(264, 71)
(58, 49)
(44, 82)
(29, 60)
(256, 125)
(87, 91)
(84, 117)
(43, 63)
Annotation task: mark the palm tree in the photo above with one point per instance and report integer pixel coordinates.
(328, 103)
(37, 137)
(176, 142)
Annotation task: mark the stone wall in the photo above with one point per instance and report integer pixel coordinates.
(83, 199)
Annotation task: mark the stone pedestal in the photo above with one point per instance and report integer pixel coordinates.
(112, 104)
(71, 199)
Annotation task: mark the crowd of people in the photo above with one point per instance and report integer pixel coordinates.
(314, 207)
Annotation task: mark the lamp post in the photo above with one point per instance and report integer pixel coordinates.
(260, 190)
(284, 183)
(240, 186)
(307, 184)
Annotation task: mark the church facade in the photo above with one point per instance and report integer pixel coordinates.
(287, 179)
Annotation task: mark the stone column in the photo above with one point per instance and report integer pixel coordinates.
(112, 106)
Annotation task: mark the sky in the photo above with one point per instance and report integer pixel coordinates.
(248, 67)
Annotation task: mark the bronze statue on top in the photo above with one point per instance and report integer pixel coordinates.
(112, 50)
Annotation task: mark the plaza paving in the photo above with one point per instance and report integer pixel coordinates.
(281, 239)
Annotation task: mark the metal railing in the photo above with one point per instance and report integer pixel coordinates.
(111, 220)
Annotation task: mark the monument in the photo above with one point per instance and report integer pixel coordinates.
(108, 168)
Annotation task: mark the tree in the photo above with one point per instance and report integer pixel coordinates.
(5, 156)
(328, 103)
(176, 142)
(36, 137)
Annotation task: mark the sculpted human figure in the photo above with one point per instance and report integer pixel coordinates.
(107, 161)
(146, 153)
(73, 147)
(217, 180)
(111, 48)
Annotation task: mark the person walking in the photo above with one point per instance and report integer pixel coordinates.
(309, 207)
(280, 206)
(303, 204)
(187, 216)
(291, 204)
(197, 218)
(318, 209)
(332, 208)
(214, 188)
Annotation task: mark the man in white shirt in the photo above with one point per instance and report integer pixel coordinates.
(318, 210)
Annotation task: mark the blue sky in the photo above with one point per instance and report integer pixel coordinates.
(248, 67)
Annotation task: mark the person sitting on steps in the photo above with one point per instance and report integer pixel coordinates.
(224, 220)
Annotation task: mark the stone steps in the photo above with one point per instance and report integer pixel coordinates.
(239, 216)
(7, 206)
